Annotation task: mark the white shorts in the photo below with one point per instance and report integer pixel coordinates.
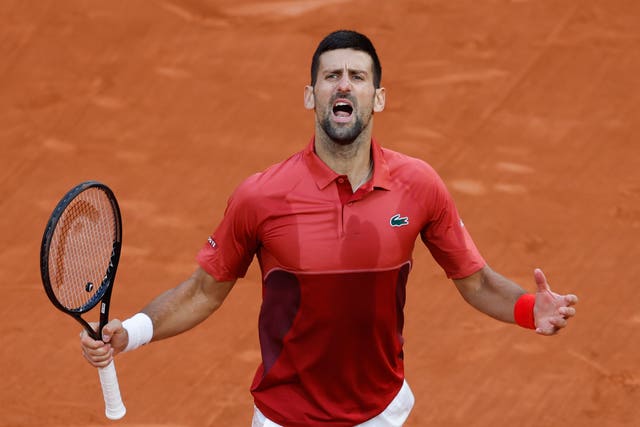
(394, 415)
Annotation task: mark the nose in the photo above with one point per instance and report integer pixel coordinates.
(344, 85)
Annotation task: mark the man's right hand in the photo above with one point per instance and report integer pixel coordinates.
(100, 353)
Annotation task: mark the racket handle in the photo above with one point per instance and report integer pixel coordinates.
(114, 408)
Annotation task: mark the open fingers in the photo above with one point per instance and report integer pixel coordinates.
(567, 312)
(570, 299)
(550, 330)
(559, 322)
(554, 324)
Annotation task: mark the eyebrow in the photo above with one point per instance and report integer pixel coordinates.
(341, 70)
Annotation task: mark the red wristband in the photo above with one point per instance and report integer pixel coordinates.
(523, 311)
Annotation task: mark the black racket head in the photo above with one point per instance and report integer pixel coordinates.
(81, 248)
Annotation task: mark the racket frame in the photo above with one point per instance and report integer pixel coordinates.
(103, 294)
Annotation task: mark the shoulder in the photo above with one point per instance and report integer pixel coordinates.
(421, 183)
(412, 172)
(278, 178)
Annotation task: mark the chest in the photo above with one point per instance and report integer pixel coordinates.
(324, 232)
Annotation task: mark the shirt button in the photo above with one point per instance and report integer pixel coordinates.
(350, 204)
(341, 180)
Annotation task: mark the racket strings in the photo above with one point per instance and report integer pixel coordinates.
(81, 248)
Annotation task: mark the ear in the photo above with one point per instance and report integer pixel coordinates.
(379, 100)
(309, 100)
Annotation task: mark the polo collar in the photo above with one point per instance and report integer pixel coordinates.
(324, 175)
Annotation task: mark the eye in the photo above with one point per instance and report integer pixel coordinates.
(358, 77)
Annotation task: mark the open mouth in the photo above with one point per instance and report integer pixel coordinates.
(342, 109)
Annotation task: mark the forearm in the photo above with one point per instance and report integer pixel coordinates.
(183, 307)
(491, 293)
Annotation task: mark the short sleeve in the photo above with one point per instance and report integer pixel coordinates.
(447, 238)
(228, 252)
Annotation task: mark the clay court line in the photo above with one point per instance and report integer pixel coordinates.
(595, 365)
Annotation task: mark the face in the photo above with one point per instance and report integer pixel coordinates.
(344, 96)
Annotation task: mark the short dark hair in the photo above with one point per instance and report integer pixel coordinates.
(347, 39)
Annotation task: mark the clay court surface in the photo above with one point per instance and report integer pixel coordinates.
(530, 111)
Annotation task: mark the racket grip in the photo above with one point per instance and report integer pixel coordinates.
(114, 407)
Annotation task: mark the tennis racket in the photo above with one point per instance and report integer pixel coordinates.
(78, 261)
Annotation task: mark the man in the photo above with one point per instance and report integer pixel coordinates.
(333, 228)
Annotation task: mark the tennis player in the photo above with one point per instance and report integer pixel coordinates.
(333, 228)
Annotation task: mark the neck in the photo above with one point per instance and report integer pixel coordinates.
(353, 160)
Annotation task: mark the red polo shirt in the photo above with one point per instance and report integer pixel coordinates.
(334, 270)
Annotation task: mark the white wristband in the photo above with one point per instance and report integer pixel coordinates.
(139, 329)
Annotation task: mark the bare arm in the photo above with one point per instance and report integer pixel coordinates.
(172, 312)
(183, 307)
(495, 295)
(491, 293)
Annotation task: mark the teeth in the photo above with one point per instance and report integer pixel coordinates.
(342, 109)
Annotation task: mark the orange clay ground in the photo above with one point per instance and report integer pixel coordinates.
(530, 111)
